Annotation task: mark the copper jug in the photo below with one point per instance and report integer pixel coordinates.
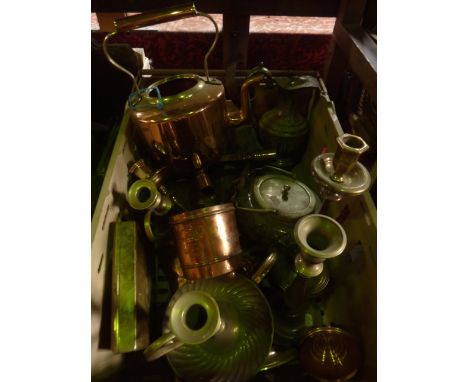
(185, 113)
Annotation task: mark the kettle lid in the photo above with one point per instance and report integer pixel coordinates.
(175, 97)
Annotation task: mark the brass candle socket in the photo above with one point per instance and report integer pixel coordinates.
(144, 195)
(158, 177)
(319, 238)
(340, 174)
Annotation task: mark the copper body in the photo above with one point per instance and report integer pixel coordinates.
(194, 118)
(207, 241)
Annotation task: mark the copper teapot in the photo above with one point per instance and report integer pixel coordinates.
(185, 113)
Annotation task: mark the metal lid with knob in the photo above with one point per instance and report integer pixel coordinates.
(285, 195)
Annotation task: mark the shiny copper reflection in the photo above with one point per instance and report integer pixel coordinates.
(207, 241)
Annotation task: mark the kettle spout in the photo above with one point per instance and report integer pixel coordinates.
(235, 118)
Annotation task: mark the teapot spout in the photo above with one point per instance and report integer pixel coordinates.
(234, 118)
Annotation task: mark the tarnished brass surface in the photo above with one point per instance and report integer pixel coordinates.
(160, 175)
(143, 195)
(319, 237)
(330, 354)
(178, 12)
(278, 357)
(157, 17)
(236, 350)
(350, 147)
(207, 241)
(140, 169)
(265, 267)
(238, 118)
(143, 171)
(260, 156)
(355, 182)
(284, 129)
(291, 324)
(301, 289)
(204, 183)
(340, 174)
(130, 291)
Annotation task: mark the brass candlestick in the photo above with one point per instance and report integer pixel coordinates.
(340, 174)
(319, 238)
(158, 177)
(144, 195)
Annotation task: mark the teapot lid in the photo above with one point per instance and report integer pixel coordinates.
(288, 196)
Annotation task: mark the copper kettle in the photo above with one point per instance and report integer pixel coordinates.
(186, 113)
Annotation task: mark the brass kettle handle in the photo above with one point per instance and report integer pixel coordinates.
(145, 19)
(165, 15)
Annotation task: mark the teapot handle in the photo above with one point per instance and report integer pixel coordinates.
(265, 267)
(180, 332)
(148, 226)
(163, 345)
(157, 17)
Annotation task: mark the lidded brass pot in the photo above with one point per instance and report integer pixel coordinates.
(269, 201)
(186, 113)
(284, 129)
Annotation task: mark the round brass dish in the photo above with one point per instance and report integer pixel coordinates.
(330, 354)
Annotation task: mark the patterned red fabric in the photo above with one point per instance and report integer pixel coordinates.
(174, 50)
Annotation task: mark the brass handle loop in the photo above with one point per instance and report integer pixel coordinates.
(126, 24)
